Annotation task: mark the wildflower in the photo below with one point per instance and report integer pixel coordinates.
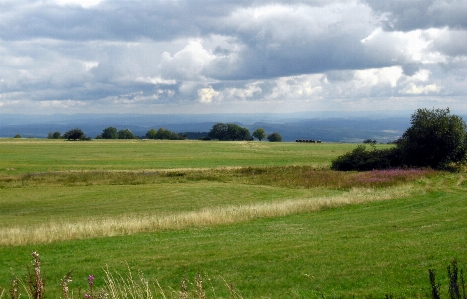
(91, 280)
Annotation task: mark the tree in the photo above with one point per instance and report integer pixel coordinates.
(163, 134)
(74, 134)
(231, 132)
(17, 136)
(109, 133)
(175, 136)
(274, 137)
(369, 141)
(435, 139)
(218, 131)
(361, 159)
(126, 134)
(54, 135)
(151, 134)
(259, 134)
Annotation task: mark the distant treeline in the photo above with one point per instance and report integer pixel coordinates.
(219, 131)
(113, 133)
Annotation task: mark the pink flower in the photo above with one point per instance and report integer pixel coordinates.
(91, 280)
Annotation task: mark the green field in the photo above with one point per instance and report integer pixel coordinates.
(270, 218)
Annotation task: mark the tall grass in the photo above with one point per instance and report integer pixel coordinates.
(289, 176)
(361, 187)
(123, 225)
(118, 286)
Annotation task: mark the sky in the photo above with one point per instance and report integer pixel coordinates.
(225, 56)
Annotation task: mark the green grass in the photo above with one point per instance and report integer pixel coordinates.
(34, 155)
(378, 239)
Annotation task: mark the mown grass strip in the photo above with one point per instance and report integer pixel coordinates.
(118, 225)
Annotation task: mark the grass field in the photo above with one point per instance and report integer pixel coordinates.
(271, 218)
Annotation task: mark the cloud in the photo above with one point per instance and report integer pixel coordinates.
(186, 64)
(143, 56)
(422, 89)
(421, 14)
(207, 95)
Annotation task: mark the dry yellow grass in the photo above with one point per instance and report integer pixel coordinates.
(125, 225)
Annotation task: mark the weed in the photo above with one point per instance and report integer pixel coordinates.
(35, 281)
(456, 283)
(65, 281)
(119, 287)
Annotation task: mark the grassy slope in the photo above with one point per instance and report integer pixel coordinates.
(366, 249)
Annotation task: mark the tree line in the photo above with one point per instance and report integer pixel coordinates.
(233, 132)
(219, 131)
(113, 133)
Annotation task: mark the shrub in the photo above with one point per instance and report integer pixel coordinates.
(362, 159)
(230, 132)
(54, 135)
(369, 141)
(274, 137)
(75, 134)
(436, 139)
(126, 134)
(109, 133)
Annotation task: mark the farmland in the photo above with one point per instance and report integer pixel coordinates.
(270, 218)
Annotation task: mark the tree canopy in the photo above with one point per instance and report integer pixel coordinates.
(274, 137)
(109, 133)
(126, 134)
(162, 133)
(74, 134)
(230, 132)
(259, 133)
(435, 139)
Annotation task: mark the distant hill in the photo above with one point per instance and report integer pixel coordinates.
(325, 126)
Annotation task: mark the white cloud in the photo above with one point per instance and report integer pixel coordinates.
(83, 3)
(155, 80)
(207, 94)
(363, 54)
(188, 63)
(421, 89)
(249, 91)
(374, 77)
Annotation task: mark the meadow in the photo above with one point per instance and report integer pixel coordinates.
(269, 220)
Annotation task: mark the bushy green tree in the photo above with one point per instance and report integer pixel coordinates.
(369, 141)
(436, 139)
(218, 131)
(74, 134)
(259, 133)
(151, 134)
(274, 137)
(126, 134)
(362, 159)
(109, 133)
(54, 135)
(231, 132)
(163, 134)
